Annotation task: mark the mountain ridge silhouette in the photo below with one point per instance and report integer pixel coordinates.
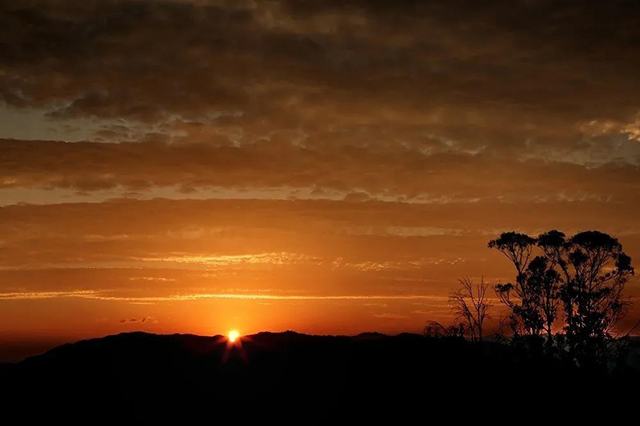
(137, 367)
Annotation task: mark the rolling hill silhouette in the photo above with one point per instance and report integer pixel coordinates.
(135, 368)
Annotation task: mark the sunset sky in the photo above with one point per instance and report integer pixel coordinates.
(323, 166)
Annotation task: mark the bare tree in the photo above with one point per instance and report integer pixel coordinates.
(471, 307)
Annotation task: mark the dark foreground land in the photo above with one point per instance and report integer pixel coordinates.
(139, 368)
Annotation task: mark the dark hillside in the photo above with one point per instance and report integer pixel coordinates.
(134, 368)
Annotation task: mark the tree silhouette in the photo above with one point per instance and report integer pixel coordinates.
(534, 301)
(593, 270)
(544, 282)
(471, 307)
(585, 274)
(523, 297)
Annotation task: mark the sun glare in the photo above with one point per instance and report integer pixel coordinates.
(233, 336)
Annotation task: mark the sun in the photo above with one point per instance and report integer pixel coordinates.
(234, 335)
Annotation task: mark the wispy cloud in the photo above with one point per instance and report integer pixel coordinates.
(96, 295)
(281, 258)
(388, 315)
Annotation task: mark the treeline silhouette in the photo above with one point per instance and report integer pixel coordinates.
(565, 301)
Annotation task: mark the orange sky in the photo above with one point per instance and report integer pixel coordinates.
(327, 167)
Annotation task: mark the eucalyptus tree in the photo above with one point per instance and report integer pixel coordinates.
(593, 270)
(584, 274)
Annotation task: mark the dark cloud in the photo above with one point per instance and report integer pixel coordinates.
(499, 75)
(396, 171)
